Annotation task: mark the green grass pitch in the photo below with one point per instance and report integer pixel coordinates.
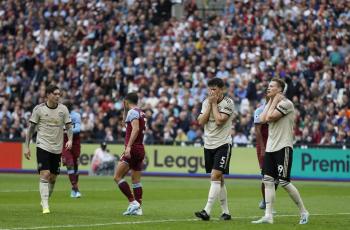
(169, 203)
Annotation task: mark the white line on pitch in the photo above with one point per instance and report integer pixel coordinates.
(149, 222)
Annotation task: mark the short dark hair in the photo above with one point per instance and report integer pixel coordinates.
(132, 97)
(68, 104)
(216, 82)
(280, 82)
(51, 89)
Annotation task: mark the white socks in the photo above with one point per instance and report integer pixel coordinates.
(44, 192)
(295, 195)
(223, 199)
(214, 192)
(270, 194)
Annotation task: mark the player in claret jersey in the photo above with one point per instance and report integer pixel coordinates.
(262, 133)
(70, 156)
(133, 156)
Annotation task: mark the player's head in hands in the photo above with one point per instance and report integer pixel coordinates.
(216, 87)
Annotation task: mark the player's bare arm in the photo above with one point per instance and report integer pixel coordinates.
(124, 113)
(220, 118)
(31, 130)
(135, 130)
(259, 138)
(273, 114)
(69, 129)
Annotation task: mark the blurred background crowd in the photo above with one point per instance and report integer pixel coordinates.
(97, 51)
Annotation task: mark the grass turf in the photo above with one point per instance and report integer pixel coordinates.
(169, 203)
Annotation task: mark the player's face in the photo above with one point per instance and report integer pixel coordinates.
(214, 90)
(273, 89)
(54, 97)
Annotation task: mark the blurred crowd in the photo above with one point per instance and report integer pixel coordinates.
(97, 51)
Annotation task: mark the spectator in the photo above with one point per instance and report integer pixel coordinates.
(110, 48)
(240, 138)
(102, 162)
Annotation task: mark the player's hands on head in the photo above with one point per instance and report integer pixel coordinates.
(213, 97)
(279, 97)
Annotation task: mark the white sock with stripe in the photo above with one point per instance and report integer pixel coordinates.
(44, 192)
(270, 194)
(214, 192)
(294, 194)
(223, 199)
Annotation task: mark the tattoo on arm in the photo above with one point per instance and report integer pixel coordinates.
(30, 133)
(69, 131)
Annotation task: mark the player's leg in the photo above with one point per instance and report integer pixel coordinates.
(285, 160)
(42, 157)
(44, 190)
(269, 172)
(262, 204)
(209, 163)
(214, 191)
(121, 171)
(67, 159)
(76, 154)
(137, 190)
(223, 191)
(220, 162)
(223, 201)
(136, 166)
(54, 166)
(75, 151)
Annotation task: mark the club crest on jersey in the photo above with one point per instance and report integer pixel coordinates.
(61, 114)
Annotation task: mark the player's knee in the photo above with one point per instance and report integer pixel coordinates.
(70, 171)
(215, 178)
(216, 175)
(45, 174)
(117, 178)
(70, 167)
(52, 178)
(268, 180)
(283, 182)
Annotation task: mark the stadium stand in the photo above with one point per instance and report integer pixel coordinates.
(97, 51)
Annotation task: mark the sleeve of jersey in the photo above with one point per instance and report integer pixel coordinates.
(132, 115)
(257, 114)
(68, 119)
(76, 120)
(35, 116)
(284, 107)
(204, 106)
(227, 108)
